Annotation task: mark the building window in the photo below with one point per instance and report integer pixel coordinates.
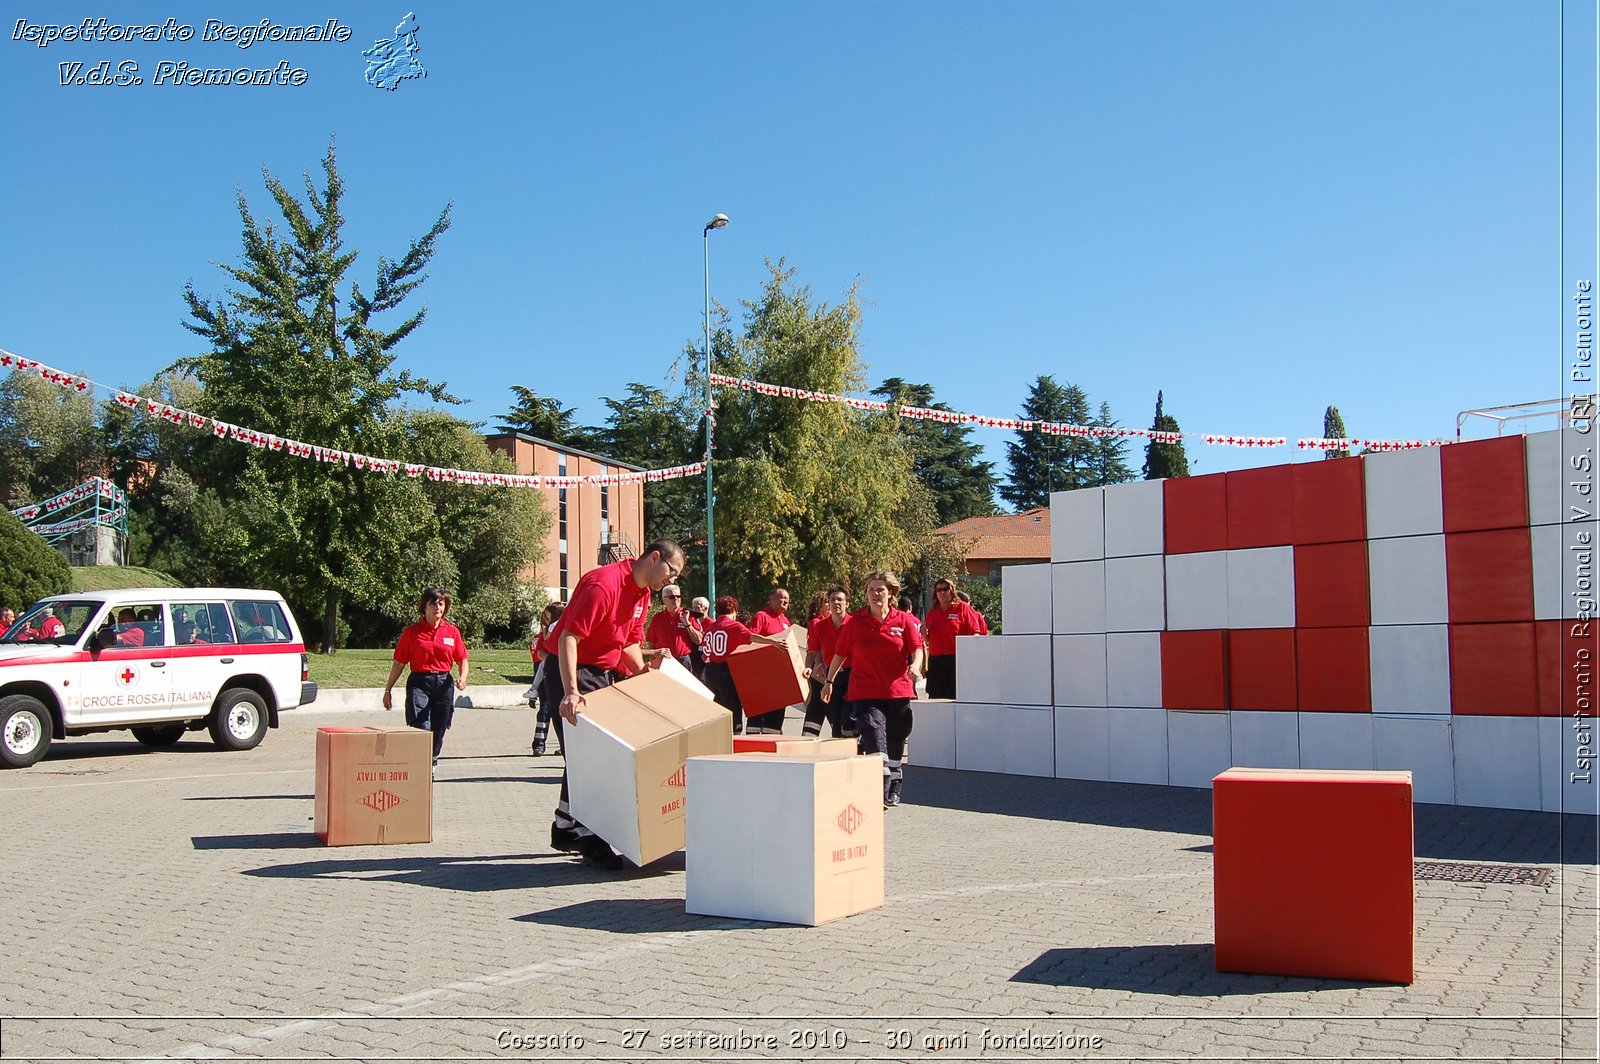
(605, 507)
(565, 580)
(561, 508)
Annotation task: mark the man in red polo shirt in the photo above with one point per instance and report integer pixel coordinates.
(771, 619)
(597, 642)
(674, 629)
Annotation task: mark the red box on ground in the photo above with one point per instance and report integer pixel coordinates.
(769, 676)
(1195, 513)
(1261, 669)
(1194, 669)
(1490, 575)
(1333, 670)
(1493, 670)
(1565, 656)
(1313, 873)
(804, 746)
(374, 786)
(1260, 507)
(1484, 484)
(1330, 501)
(1330, 585)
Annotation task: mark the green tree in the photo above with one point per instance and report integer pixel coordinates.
(1041, 463)
(543, 417)
(30, 568)
(1109, 462)
(651, 429)
(1164, 460)
(943, 457)
(1333, 429)
(49, 441)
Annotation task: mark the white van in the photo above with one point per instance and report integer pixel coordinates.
(160, 661)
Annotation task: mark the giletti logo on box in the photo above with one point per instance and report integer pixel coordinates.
(850, 818)
(381, 801)
(674, 780)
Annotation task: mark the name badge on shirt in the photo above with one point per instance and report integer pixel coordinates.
(448, 641)
(897, 631)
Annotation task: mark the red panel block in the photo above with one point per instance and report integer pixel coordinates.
(1566, 653)
(1260, 507)
(1194, 670)
(1261, 669)
(1330, 501)
(1330, 585)
(1490, 575)
(1485, 484)
(1313, 873)
(1196, 513)
(1492, 670)
(1333, 670)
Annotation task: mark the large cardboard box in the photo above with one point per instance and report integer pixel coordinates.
(374, 786)
(806, 746)
(771, 676)
(673, 668)
(625, 761)
(814, 855)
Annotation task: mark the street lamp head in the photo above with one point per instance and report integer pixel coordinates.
(718, 222)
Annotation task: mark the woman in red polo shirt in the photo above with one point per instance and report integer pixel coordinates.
(431, 647)
(882, 644)
(821, 640)
(948, 617)
(722, 637)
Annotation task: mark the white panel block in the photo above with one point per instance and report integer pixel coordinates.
(1568, 782)
(1406, 580)
(1133, 669)
(1261, 587)
(1549, 456)
(1403, 493)
(1077, 525)
(1497, 762)
(1135, 518)
(1137, 741)
(1266, 740)
(1080, 679)
(933, 734)
(1198, 747)
(1197, 590)
(1078, 597)
(1556, 567)
(978, 668)
(1136, 594)
(1421, 745)
(1025, 669)
(1336, 740)
(1025, 599)
(979, 747)
(1028, 735)
(1083, 750)
(1410, 668)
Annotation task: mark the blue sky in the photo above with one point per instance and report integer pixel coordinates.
(1259, 207)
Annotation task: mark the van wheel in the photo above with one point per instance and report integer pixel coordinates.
(24, 730)
(239, 721)
(159, 736)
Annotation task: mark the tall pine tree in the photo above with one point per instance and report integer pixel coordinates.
(1333, 429)
(1109, 464)
(1165, 460)
(942, 456)
(1041, 463)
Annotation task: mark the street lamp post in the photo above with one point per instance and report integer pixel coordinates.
(717, 222)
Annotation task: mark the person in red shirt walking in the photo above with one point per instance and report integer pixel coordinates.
(882, 644)
(771, 620)
(821, 640)
(948, 617)
(597, 642)
(432, 648)
(544, 661)
(674, 629)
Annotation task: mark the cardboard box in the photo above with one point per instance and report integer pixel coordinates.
(625, 761)
(671, 667)
(814, 855)
(804, 746)
(770, 676)
(374, 786)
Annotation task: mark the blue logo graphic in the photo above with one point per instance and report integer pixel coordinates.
(393, 61)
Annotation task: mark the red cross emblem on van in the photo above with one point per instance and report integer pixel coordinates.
(127, 676)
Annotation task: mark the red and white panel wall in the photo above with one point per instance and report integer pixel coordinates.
(1408, 610)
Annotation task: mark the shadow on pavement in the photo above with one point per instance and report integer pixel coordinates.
(283, 840)
(250, 797)
(520, 871)
(1186, 970)
(637, 916)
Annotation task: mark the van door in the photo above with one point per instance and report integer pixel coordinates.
(128, 679)
(202, 657)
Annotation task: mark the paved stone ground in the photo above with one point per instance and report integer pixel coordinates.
(175, 905)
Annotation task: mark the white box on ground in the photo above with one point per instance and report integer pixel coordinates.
(1136, 594)
(978, 668)
(1133, 669)
(1265, 740)
(978, 744)
(1080, 670)
(933, 732)
(1025, 599)
(1077, 525)
(1083, 746)
(1556, 551)
(1199, 746)
(1078, 597)
(1024, 669)
(1135, 518)
(1197, 590)
(1566, 767)
(1404, 493)
(1421, 745)
(1406, 580)
(1549, 456)
(625, 761)
(1410, 668)
(1028, 738)
(814, 855)
(1137, 741)
(1336, 740)
(1261, 587)
(1497, 762)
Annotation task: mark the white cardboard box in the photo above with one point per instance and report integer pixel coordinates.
(1135, 518)
(1083, 750)
(1136, 594)
(979, 671)
(1336, 740)
(1410, 668)
(1018, 740)
(1197, 590)
(1422, 745)
(1404, 493)
(1080, 670)
(979, 744)
(1137, 741)
(1077, 525)
(1198, 747)
(1261, 587)
(1025, 599)
(1406, 580)
(815, 854)
(1497, 762)
(1133, 669)
(1078, 597)
(933, 733)
(1555, 568)
(1550, 473)
(1567, 767)
(1265, 740)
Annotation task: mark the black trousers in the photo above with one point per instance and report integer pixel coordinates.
(589, 679)
(941, 676)
(885, 727)
(837, 711)
(431, 704)
(717, 677)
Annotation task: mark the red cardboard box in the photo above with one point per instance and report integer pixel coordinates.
(1484, 484)
(771, 676)
(1195, 513)
(1330, 585)
(1260, 507)
(1313, 873)
(1490, 575)
(1261, 672)
(374, 786)
(1333, 670)
(1493, 671)
(1194, 667)
(1330, 501)
(805, 746)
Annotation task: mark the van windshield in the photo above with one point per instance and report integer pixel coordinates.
(60, 622)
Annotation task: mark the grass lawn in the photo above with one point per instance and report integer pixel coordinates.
(117, 577)
(370, 668)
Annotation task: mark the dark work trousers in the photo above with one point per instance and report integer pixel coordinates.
(766, 722)
(431, 704)
(941, 676)
(589, 679)
(717, 677)
(832, 711)
(885, 726)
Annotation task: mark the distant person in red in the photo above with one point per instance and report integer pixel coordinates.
(544, 661)
(598, 642)
(983, 622)
(674, 629)
(432, 647)
(770, 620)
(948, 617)
(822, 638)
(7, 615)
(51, 627)
(129, 634)
(723, 636)
(882, 644)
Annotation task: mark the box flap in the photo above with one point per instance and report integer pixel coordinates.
(673, 668)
